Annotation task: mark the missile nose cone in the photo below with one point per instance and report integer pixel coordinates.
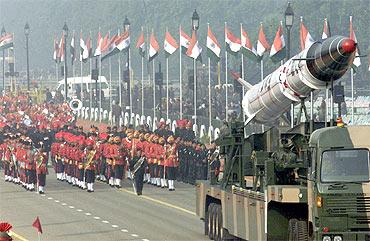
(348, 46)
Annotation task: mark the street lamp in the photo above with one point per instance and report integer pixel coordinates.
(65, 33)
(27, 33)
(2, 34)
(126, 27)
(289, 17)
(195, 20)
(195, 27)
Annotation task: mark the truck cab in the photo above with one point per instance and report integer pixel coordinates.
(289, 185)
(339, 184)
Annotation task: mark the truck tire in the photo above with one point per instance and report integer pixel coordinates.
(297, 230)
(218, 216)
(221, 230)
(302, 231)
(206, 221)
(211, 221)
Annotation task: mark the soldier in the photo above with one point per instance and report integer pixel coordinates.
(108, 153)
(40, 159)
(119, 158)
(171, 162)
(137, 166)
(161, 155)
(92, 156)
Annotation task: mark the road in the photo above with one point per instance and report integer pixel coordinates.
(68, 213)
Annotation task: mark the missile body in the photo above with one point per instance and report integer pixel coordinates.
(312, 69)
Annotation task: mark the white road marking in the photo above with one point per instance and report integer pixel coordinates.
(97, 218)
(134, 235)
(43, 195)
(64, 204)
(79, 210)
(105, 221)
(114, 226)
(144, 239)
(88, 214)
(71, 207)
(124, 230)
(56, 201)
(50, 198)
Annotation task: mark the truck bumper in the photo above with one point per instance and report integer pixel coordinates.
(346, 236)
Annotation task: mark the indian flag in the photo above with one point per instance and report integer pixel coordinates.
(123, 42)
(170, 44)
(153, 47)
(98, 45)
(305, 36)
(247, 47)
(184, 41)
(6, 41)
(326, 31)
(278, 52)
(140, 44)
(56, 49)
(262, 44)
(84, 52)
(233, 44)
(213, 47)
(194, 49)
(61, 49)
(357, 61)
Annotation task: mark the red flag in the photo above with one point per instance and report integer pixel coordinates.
(36, 224)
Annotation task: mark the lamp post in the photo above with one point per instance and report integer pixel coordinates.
(2, 34)
(27, 33)
(65, 33)
(195, 27)
(126, 27)
(289, 17)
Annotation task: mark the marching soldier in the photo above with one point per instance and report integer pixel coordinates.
(92, 156)
(40, 159)
(119, 158)
(171, 162)
(137, 166)
(161, 156)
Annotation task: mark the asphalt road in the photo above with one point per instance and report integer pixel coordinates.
(68, 213)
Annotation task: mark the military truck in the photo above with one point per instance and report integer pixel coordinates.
(289, 185)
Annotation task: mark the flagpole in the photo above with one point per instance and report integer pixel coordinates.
(195, 92)
(142, 80)
(110, 88)
(90, 86)
(167, 94)
(180, 75)
(100, 90)
(81, 55)
(154, 106)
(39, 236)
(263, 126)
(352, 100)
(129, 80)
(209, 94)
(326, 105)
(142, 85)
(242, 74)
(226, 81)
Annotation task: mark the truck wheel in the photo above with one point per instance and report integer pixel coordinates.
(210, 221)
(298, 230)
(221, 230)
(302, 231)
(292, 227)
(218, 216)
(206, 221)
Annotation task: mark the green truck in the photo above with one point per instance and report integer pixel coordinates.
(290, 185)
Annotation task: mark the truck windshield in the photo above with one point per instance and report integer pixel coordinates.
(345, 165)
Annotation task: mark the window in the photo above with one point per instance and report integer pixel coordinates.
(351, 165)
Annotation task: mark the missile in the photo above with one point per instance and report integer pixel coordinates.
(312, 69)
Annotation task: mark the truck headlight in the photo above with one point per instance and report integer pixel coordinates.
(326, 238)
(337, 238)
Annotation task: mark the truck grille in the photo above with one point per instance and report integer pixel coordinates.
(342, 206)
